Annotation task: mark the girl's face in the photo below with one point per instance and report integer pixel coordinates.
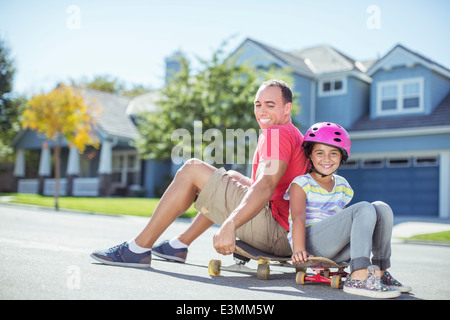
(326, 159)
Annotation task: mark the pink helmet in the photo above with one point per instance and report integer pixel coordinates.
(331, 134)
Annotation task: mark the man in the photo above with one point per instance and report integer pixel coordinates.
(251, 209)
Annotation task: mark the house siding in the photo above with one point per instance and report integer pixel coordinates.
(347, 108)
(302, 88)
(438, 87)
(396, 144)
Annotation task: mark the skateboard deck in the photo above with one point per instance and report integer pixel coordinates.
(319, 265)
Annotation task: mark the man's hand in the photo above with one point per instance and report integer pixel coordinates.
(224, 240)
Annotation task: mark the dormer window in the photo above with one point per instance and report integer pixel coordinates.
(400, 96)
(331, 87)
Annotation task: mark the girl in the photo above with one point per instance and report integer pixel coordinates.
(321, 225)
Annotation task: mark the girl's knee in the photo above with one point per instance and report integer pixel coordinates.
(366, 211)
(384, 211)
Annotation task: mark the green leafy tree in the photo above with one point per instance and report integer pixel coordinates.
(111, 84)
(8, 106)
(218, 97)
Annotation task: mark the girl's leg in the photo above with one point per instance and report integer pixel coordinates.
(381, 244)
(349, 232)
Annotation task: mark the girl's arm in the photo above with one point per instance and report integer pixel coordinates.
(298, 215)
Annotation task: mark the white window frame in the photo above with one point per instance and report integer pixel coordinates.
(426, 161)
(398, 162)
(400, 96)
(332, 91)
(373, 163)
(125, 168)
(350, 164)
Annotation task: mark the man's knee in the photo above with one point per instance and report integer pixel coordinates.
(189, 166)
(195, 172)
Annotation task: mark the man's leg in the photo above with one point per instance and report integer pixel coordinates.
(188, 182)
(179, 196)
(201, 223)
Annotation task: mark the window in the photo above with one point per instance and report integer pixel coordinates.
(426, 161)
(125, 167)
(399, 163)
(349, 164)
(400, 96)
(372, 163)
(331, 87)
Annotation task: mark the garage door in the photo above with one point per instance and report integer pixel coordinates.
(409, 185)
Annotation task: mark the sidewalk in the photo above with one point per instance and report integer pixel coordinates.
(405, 227)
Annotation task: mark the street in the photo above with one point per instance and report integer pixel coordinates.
(45, 255)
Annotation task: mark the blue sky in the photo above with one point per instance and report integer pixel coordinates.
(130, 39)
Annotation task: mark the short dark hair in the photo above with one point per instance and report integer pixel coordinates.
(286, 91)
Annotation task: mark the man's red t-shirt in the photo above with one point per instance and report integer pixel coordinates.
(283, 142)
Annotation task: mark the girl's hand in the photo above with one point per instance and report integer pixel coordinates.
(300, 256)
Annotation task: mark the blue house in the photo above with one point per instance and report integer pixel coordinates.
(397, 112)
(396, 109)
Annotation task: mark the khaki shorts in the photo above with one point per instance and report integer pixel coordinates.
(222, 194)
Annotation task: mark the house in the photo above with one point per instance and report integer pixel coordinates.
(397, 112)
(98, 172)
(396, 109)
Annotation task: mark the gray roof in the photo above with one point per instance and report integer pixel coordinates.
(439, 117)
(296, 63)
(316, 61)
(326, 59)
(147, 102)
(112, 119)
(426, 61)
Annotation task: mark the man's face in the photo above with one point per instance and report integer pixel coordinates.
(270, 108)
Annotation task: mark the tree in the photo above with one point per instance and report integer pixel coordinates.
(111, 84)
(8, 107)
(61, 114)
(218, 97)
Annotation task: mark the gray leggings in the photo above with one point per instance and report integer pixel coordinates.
(353, 234)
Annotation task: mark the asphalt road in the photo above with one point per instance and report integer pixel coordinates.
(45, 255)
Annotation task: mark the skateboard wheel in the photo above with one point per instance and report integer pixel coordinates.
(335, 282)
(299, 269)
(300, 277)
(214, 267)
(263, 272)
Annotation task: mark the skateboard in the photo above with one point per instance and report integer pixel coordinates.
(319, 265)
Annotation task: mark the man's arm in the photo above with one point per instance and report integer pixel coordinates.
(267, 177)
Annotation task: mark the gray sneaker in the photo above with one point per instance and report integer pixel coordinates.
(166, 251)
(371, 287)
(121, 255)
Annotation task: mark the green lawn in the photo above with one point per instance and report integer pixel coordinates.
(123, 206)
(443, 236)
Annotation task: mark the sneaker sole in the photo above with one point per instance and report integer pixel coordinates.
(403, 289)
(372, 293)
(120, 264)
(171, 258)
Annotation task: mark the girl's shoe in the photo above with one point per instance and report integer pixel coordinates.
(371, 287)
(388, 280)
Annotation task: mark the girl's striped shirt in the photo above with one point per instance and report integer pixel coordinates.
(320, 204)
